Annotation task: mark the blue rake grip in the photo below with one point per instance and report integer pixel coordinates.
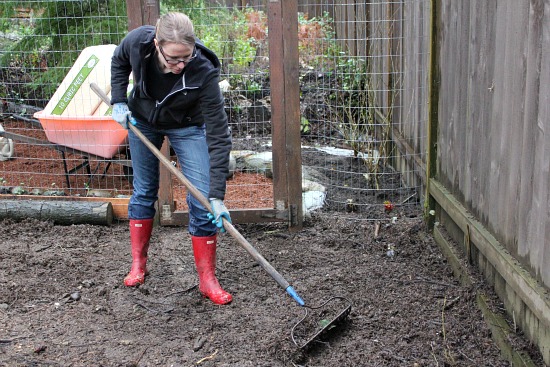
(295, 295)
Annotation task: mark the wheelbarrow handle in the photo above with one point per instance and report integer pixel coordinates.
(204, 201)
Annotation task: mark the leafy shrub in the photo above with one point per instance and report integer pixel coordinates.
(53, 41)
(316, 41)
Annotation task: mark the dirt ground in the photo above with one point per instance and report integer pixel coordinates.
(62, 301)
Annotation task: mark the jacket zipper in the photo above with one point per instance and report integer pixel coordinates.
(159, 104)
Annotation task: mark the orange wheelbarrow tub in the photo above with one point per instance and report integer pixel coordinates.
(98, 135)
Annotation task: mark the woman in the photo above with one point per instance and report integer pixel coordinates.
(176, 95)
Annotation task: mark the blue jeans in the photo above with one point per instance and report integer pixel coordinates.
(191, 150)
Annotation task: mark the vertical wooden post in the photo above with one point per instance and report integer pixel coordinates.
(285, 108)
(433, 112)
(147, 12)
(142, 12)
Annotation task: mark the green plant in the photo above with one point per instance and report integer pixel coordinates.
(224, 31)
(227, 38)
(253, 87)
(9, 21)
(61, 30)
(305, 127)
(251, 36)
(195, 9)
(20, 190)
(237, 109)
(316, 42)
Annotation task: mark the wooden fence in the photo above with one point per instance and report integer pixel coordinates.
(489, 181)
(481, 110)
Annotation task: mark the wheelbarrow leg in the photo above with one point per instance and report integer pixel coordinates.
(68, 172)
(66, 169)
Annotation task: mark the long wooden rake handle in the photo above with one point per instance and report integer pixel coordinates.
(204, 201)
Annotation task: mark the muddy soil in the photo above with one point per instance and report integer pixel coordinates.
(62, 301)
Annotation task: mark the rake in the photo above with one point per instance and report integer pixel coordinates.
(326, 310)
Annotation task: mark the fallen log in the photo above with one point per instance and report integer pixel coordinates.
(60, 212)
(120, 204)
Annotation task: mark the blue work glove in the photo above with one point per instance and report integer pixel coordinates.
(219, 211)
(122, 115)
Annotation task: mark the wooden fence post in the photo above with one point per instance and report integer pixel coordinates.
(142, 12)
(147, 12)
(285, 108)
(433, 95)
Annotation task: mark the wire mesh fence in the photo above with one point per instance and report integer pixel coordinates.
(355, 78)
(360, 111)
(40, 43)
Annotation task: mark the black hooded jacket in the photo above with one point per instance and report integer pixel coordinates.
(195, 100)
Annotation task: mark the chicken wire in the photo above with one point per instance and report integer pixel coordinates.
(364, 78)
(40, 41)
(354, 96)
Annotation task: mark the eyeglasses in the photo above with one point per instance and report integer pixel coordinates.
(178, 61)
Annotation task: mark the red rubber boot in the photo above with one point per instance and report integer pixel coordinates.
(204, 249)
(140, 233)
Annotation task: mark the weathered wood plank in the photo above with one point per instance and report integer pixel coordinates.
(480, 102)
(361, 25)
(276, 71)
(516, 277)
(350, 27)
(530, 229)
(406, 66)
(539, 248)
(514, 97)
(285, 108)
(141, 12)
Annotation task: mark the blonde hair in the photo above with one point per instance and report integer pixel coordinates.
(175, 27)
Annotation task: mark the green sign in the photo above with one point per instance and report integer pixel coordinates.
(75, 85)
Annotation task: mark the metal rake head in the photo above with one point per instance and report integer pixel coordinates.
(327, 316)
